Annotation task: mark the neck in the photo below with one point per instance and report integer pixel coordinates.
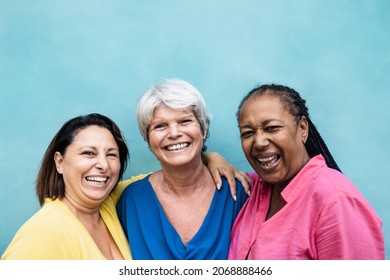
(186, 180)
(81, 212)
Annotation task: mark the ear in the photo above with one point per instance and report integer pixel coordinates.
(304, 129)
(204, 134)
(59, 160)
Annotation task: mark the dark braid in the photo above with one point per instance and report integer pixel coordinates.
(315, 145)
(296, 105)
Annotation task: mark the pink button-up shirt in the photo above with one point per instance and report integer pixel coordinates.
(325, 217)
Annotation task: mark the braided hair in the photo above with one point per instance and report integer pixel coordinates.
(296, 105)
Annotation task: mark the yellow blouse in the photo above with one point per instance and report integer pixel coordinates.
(54, 233)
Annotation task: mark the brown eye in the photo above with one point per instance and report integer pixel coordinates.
(246, 134)
(272, 128)
(159, 126)
(186, 121)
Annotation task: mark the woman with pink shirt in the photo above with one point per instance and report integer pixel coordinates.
(301, 206)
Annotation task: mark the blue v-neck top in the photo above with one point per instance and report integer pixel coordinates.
(152, 237)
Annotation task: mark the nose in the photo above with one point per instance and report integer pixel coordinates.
(102, 162)
(174, 131)
(261, 140)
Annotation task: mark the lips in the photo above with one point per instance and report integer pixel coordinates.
(177, 147)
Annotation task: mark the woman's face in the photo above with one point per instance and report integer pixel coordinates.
(272, 139)
(90, 166)
(175, 136)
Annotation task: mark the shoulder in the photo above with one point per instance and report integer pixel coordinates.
(317, 176)
(240, 191)
(136, 188)
(332, 188)
(52, 217)
(121, 187)
(43, 235)
(125, 183)
(48, 224)
(331, 180)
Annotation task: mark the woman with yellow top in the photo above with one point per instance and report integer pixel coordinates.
(75, 183)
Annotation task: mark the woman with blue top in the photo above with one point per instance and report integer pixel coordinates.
(177, 212)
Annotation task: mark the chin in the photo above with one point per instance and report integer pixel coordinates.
(269, 178)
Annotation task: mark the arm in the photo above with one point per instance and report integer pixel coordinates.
(219, 166)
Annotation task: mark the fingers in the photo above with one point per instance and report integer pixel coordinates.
(245, 181)
(232, 184)
(229, 172)
(217, 178)
(219, 167)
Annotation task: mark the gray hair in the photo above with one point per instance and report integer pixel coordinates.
(176, 94)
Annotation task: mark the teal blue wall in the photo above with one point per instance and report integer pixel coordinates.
(59, 59)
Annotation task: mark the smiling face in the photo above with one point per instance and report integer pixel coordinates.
(272, 139)
(175, 136)
(90, 166)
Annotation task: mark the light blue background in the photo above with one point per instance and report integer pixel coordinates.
(59, 59)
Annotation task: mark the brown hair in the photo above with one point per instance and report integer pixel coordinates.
(49, 183)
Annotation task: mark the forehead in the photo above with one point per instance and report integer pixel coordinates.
(163, 112)
(265, 103)
(93, 133)
(264, 108)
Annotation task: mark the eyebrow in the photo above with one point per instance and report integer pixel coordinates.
(263, 123)
(95, 148)
(87, 147)
(159, 119)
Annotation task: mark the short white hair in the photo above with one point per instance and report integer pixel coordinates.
(176, 94)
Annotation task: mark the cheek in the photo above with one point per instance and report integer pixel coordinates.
(297, 145)
(153, 143)
(246, 147)
(115, 166)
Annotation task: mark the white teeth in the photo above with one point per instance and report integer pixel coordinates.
(267, 161)
(97, 179)
(177, 147)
